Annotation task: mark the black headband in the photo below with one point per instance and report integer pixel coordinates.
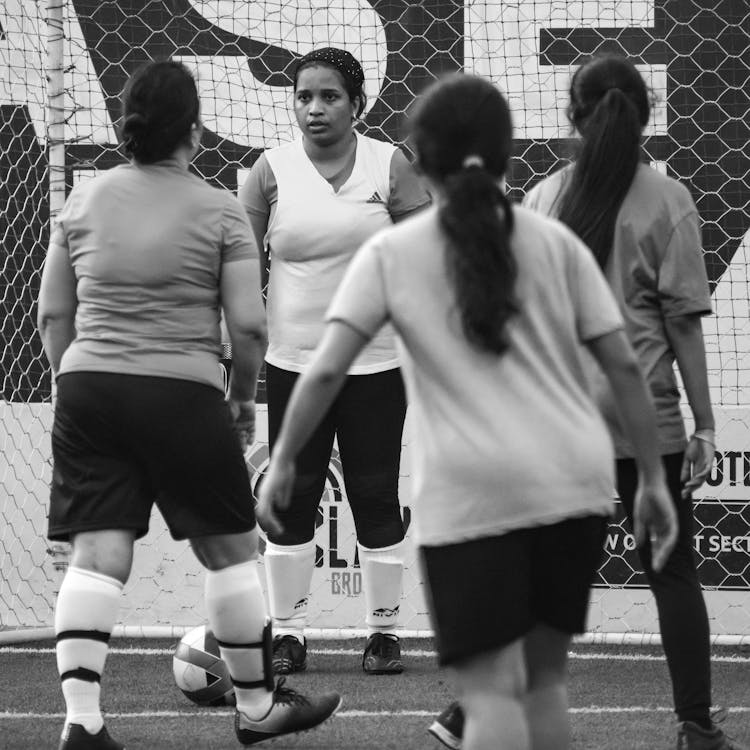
(343, 61)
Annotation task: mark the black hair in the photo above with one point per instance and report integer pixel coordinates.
(159, 107)
(609, 106)
(345, 64)
(462, 134)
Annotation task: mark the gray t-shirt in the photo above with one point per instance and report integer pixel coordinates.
(499, 442)
(656, 271)
(147, 244)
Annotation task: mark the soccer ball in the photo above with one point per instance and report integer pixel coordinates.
(199, 670)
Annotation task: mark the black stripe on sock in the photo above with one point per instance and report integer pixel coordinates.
(81, 673)
(224, 644)
(89, 635)
(249, 685)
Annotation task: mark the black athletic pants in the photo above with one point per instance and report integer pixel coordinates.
(367, 419)
(683, 618)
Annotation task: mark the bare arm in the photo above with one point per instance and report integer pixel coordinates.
(259, 224)
(58, 301)
(685, 335)
(311, 398)
(245, 323)
(654, 514)
(254, 197)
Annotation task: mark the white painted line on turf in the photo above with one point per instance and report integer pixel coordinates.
(413, 653)
(352, 714)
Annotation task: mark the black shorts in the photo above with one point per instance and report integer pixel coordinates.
(486, 593)
(121, 443)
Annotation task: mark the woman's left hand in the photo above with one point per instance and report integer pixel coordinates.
(696, 465)
(275, 494)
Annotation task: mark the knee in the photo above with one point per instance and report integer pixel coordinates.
(501, 673)
(377, 515)
(220, 551)
(376, 532)
(109, 552)
(299, 520)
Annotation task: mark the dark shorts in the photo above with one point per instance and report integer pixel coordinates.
(486, 593)
(121, 443)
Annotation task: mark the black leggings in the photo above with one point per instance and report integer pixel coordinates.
(683, 619)
(367, 418)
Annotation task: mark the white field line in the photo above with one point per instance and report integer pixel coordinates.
(413, 653)
(354, 714)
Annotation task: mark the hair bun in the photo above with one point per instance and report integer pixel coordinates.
(134, 121)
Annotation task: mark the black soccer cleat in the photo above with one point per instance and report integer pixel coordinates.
(75, 737)
(289, 655)
(449, 727)
(382, 655)
(691, 736)
(290, 712)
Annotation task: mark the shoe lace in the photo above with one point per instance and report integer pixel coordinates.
(287, 695)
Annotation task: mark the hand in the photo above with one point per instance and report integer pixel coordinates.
(243, 414)
(655, 519)
(275, 493)
(696, 465)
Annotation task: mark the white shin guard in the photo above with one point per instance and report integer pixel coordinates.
(382, 574)
(289, 570)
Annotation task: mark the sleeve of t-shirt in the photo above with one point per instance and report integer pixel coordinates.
(238, 242)
(58, 235)
(256, 195)
(683, 282)
(407, 191)
(360, 300)
(532, 199)
(544, 195)
(596, 309)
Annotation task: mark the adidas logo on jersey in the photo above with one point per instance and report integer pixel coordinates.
(375, 198)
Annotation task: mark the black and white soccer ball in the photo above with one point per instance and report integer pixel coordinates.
(199, 670)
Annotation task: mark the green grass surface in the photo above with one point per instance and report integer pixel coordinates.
(620, 700)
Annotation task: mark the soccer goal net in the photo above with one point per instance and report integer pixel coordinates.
(63, 64)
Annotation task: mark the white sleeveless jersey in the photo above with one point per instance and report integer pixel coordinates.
(312, 236)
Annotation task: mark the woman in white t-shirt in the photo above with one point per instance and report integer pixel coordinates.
(312, 203)
(512, 465)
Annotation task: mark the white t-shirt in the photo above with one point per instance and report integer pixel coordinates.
(500, 442)
(313, 233)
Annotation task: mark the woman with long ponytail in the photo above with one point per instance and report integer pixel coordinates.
(644, 231)
(491, 304)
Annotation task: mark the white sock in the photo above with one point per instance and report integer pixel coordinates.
(85, 615)
(237, 615)
(382, 572)
(289, 570)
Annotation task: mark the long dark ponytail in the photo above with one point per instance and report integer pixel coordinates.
(609, 107)
(461, 129)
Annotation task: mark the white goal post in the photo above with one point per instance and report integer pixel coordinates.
(62, 66)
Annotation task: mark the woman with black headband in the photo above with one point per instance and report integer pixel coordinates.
(312, 203)
(494, 306)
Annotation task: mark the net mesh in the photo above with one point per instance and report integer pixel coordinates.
(694, 56)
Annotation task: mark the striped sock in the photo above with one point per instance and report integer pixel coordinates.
(237, 615)
(84, 618)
